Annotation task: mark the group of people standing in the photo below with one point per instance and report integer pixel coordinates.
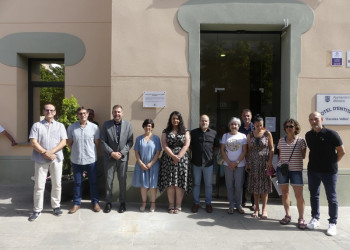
(247, 151)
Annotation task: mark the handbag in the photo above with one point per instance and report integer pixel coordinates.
(219, 158)
(272, 171)
(285, 166)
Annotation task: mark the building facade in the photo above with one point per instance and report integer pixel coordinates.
(208, 56)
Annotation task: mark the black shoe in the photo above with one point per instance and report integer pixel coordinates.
(122, 208)
(108, 207)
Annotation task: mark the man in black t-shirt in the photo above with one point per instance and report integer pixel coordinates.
(326, 149)
(203, 141)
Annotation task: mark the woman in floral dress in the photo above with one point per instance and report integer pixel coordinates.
(259, 160)
(175, 174)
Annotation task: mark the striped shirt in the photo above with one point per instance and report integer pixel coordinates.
(296, 162)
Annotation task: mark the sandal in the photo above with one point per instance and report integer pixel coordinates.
(301, 224)
(256, 214)
(240, 210)
(177, 210)
(230, 210)
(143, 206)
(152, 207)
(171, 209)
(286, 220)
(264, 216)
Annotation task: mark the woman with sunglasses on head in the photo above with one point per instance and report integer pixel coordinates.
(259, 163)
(292, 151)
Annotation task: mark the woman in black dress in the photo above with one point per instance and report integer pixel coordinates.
(175, 174)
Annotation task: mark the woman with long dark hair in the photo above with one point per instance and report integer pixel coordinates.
(175, 175)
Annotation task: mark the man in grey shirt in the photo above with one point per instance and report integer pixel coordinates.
(47, 138)
(83, 139)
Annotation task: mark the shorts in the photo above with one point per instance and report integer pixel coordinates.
(295, 178)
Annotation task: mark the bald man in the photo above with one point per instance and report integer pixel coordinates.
(326, 150)
(203, 141)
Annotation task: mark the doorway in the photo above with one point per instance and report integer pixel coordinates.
(240, 70)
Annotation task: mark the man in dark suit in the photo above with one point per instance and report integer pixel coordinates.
(117, 140)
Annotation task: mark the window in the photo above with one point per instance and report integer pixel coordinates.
(45, 85)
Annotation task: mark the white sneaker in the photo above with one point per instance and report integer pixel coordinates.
(332, 229)
(313, 224)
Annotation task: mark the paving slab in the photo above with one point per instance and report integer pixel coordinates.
(159, 230)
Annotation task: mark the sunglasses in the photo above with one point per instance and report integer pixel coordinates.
(289, 126)
(49, 110)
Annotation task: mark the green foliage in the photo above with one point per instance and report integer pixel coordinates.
(69, 116)
(53, 95)
(69, 108)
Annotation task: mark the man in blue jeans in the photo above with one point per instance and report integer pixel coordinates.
(83, 139)
(326, 149)
(203, 141)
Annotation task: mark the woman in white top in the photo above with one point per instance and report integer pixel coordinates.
(286, 145)
(233, 150)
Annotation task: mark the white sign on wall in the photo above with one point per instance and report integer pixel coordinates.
(154, 99)
(335, 108)
(337, 58)
(270, 124)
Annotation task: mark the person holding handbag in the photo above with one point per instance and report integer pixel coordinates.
(259, 162)
(292, 150)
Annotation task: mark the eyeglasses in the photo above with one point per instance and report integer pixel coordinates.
(50, 110)
(289, 126)
(83, 113)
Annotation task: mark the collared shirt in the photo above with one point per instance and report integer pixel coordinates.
(48, 135)
(322, 156)
(202, 144)
(83, 148)
(118, 127)
(245, 131)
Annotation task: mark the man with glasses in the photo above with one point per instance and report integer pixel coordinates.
(326, 150)
(83, 140)
(117, 140)
(47, 138)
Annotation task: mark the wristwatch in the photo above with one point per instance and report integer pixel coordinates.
(238, 161)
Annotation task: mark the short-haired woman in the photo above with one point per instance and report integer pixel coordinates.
(233, 150)
(147, 150)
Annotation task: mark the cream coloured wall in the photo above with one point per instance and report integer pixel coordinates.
(87, 19)
(149, 53)
(329, 32)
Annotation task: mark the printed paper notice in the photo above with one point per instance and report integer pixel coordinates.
(154, 99)
(270, 124)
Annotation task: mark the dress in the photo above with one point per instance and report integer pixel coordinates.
(259, 182)
(170, 174)
(147, 151)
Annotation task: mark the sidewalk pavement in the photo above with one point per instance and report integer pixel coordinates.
(159, 230)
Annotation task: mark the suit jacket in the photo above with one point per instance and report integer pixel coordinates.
(110, 143)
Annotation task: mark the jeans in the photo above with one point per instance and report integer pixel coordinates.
(234, 185)
(41, 170)
(78, 178)
(330, 183)
(208, 178)
(294, 177)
